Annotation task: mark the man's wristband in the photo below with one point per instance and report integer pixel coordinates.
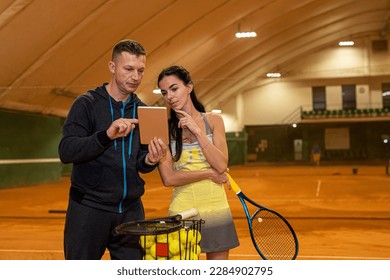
(150, 163)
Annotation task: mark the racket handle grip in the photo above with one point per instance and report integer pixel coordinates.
(188, 213)
(233, 184)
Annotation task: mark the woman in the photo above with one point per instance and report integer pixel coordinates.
(196, 162)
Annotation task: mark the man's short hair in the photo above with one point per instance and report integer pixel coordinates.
(129, 46)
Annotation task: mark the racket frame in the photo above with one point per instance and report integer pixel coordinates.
(131, 227)
(175, 222)
(250, 218)
(243, 198)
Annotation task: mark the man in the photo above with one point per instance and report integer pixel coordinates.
(101, 139)
(316, 154)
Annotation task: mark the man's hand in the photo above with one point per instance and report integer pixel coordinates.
(121, 128)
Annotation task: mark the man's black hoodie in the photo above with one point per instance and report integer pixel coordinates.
(105, 173)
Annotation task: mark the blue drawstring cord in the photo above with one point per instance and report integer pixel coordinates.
(112, 116)
(132, 131)
(123, 147)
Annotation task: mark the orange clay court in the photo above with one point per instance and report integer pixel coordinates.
(336, 214)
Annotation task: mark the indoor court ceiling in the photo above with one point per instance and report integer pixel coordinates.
(51, 51)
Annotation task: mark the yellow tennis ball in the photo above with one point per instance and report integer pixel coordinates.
(146, 241)
(191, 233)
(194, 256)
(175, 258)
(183, 255)
(173, 235)
(197, 236)
(162, 238)
(184, 236)
(149, 257)
(174, 247)
(196, 249)
(153, 250)
(142, 241)
(193, 252)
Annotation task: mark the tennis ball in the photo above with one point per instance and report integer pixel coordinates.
(149, 257)
(196, 249)
(174, 247)
(146, 241)
(162, 238)
(153, 250)
(194, 256)
(191, 233)
(197, 236)
(175, 258)
(173, 235)
(184, 236)
(183, 255)
(172, 239)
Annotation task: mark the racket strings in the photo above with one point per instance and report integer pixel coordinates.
(273, 236)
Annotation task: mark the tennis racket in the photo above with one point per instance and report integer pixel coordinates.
(157, 225)
(271, 234)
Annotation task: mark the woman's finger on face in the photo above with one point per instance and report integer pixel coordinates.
(182, 113)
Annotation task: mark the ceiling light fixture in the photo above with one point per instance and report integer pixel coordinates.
(216, 111)
(248, 34)
(346, 43)
(157, 91)
(245, 34)
(274, 75)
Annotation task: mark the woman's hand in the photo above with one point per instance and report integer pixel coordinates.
(220, 178)
(187, 122)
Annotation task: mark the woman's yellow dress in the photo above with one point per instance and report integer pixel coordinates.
(209, 198)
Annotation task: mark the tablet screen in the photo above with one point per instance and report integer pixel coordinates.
(153, 122)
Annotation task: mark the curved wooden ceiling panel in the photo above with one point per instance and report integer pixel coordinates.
(52, 51)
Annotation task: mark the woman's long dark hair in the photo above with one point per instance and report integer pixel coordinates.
(175, 132)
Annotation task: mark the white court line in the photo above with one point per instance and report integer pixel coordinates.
(318, 188)
(318, 257)
(30, 251)
(35, 160)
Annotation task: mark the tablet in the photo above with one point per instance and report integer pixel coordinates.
(153, 122)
